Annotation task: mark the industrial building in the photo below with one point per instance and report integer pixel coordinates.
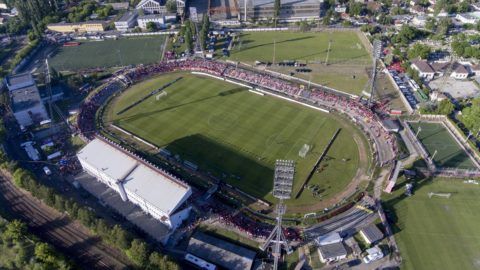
(26, 103)
(220, 252)
(291, 10)
(82, 27)
(158, 6)
(156, 192)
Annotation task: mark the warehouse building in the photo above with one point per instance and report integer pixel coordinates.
(156, 192)
(291, 10)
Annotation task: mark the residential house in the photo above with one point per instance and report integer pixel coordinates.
(425, 71)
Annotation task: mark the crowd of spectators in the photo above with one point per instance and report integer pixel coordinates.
(245, 224)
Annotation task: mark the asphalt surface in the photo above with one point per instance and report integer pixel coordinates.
(69, 237)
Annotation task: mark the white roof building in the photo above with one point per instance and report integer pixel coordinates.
(158, 6)
(330, 238)
(470, 18)
(155, 191)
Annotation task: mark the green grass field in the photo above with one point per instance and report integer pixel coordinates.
(237, 135)
(109, 53)
(347, 60)
(438, 233)
(435, 137)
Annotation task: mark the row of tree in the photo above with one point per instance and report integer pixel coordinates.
(33, 12)
(203, 35)
(21, 250)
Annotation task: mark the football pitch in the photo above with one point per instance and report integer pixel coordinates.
(109, 53)
(438, 233)
(435, 137)
(236, 136)
(343, 67)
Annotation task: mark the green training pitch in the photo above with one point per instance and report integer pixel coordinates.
(109, 53)
(437, 233)
(435, 137)
(344, 69)
(236, 135)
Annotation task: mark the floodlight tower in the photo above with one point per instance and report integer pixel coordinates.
(282, 190)
(377, 51)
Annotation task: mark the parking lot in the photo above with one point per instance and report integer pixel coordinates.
(406, 88)
(457, 89)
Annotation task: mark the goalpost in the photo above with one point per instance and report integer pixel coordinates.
(443, 195)
(162, 94)
(304, 150)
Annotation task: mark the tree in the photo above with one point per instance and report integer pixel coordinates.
(471, 116)
(45, 253)
(158, 261)
(151, 27)
(431, 24)
(445, 107)
(15, 230)
(419, 50)
(277, 5)
(171, 6)
(138, 252)
(356, 9)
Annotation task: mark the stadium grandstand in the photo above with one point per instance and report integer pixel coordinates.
(156, 192)
(291, 10)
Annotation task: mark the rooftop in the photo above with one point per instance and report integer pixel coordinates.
(460, 69)
(332, 251)
(372, 233)
(220, 252)
(126, 17)
(328, 239)
(267, 3)
(153, 185)
(25, 98)
(22, 78)
(423, 66)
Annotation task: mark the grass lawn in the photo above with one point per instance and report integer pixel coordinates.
(347, 60)
(109, 53)
(230, 236)
(236, 136)
(437, 233)
(435, 137)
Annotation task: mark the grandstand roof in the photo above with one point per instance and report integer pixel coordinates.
(151, 184)
(220, 252)
(23, 79)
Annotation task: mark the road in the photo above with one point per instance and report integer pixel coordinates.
(70, 237)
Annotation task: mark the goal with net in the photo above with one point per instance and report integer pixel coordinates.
(304, 150)
(162, 94)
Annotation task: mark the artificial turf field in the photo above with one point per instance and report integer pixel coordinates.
(109, 53)
(437, 233)
(237, 135)
(348, 59)
(435, 137)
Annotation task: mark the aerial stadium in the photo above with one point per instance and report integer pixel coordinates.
(225, 125)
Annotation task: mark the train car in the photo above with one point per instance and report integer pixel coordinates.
(199, 263)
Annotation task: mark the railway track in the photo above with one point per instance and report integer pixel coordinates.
(68, 236)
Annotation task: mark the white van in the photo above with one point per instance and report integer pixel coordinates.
(47, 170)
